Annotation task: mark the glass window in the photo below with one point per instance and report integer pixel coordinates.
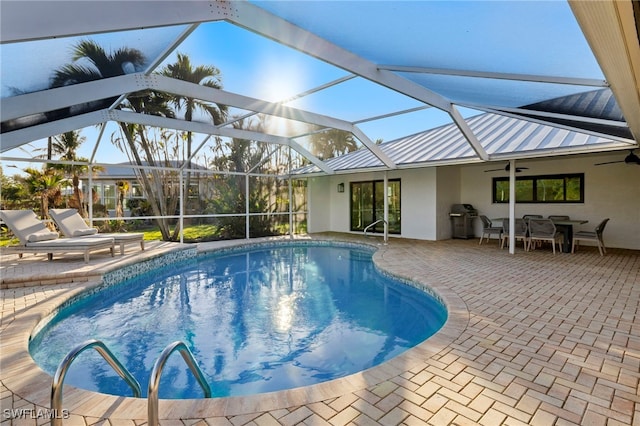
(367, 205)
(109, 196)
(541, 189)
(136, 191)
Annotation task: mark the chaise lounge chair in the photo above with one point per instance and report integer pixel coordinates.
(35, 237)
(71, 224)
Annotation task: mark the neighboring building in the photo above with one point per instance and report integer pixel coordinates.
(106, 192)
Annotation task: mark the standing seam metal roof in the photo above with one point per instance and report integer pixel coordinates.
(498, 134)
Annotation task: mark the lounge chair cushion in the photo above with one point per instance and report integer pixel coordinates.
(84, 232)
(42, 236)
(71, 224)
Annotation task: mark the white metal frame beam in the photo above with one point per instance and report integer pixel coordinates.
(85, 92)
(499, 76)
(16, 138)
(209, 129)
(37, 20)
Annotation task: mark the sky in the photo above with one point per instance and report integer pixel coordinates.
(475, 38)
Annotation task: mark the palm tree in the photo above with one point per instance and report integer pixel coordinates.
(332, 143)
(104, 65)
(45, 185)
(67, 145)
(123, 188)
(135, 140)
(204, 75)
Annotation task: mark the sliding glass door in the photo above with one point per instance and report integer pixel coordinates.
(367, 205)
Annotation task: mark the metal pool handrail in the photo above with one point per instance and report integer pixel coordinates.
(154, 380)
(61, 372)
(386, 225)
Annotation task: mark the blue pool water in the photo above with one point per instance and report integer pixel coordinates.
(256, 320)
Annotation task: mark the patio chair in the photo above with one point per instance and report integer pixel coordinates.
(71, 224)
(532, 216)
(544, 230)
(595, 236)
(35, 237)
(520, 232)
(488, 229)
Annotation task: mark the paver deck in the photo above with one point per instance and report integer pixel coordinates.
(532, 339)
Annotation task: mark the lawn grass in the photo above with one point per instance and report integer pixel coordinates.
(191, 234)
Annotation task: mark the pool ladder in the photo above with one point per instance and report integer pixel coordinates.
(154, 380)
(386, 231)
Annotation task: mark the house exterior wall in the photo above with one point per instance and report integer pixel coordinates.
(418, 203)
(318, 197)
(611, 190)
(329, 209)
(448, 193)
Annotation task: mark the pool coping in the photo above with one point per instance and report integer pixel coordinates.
(24, 378)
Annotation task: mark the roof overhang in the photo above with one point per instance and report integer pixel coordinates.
(612, 29)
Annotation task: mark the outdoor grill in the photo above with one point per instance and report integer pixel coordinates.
(462, 216)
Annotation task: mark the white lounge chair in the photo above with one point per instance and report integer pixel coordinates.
(35, 237)
(71, 224)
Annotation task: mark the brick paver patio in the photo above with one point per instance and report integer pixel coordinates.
(533, 339)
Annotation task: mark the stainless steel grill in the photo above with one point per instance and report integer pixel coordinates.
(462, 216)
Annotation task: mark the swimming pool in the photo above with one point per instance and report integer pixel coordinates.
(256, 320)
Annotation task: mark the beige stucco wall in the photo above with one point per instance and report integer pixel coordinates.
(611, 191)
(427, 195)
(329, 209)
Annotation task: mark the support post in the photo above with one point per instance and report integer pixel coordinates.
(512, 206)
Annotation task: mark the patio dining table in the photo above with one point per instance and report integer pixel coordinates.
(565, 225)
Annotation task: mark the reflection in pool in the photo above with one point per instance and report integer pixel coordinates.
(256, 320)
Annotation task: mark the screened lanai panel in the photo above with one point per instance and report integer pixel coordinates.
(356, 99)
(492, 54)
(252, 65)
(57, 114)
(29, 66)
(243, 156)
(527, 37)
(494, 92)
(278, 126)
(297, 159)
(392, 127)
(329, 143)
(275, 160)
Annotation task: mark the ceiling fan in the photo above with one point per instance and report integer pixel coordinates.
(507, 168)
(629, 159)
